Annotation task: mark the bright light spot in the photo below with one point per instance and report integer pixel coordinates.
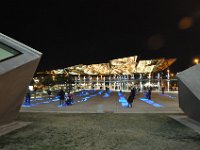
(196, 60)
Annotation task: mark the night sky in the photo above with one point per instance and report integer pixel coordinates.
(94, 31)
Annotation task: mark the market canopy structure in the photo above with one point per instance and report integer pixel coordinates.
(122, 66)
(18, 63)
(126, 65)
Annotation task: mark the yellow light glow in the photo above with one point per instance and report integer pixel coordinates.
(196, 60)
(53, 77)
(185, 23)
(168, 70)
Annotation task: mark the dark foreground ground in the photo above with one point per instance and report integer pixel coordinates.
(103, 131)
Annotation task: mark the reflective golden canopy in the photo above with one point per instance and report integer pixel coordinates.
(122, 66)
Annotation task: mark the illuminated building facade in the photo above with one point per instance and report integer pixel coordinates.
(121, 73)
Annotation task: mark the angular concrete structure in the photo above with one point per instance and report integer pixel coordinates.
(189, 92)
(18, 63)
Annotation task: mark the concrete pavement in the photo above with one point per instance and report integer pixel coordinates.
(94, 102)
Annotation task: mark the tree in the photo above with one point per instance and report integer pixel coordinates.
(60, 79)
(69, 80)
(47, 80)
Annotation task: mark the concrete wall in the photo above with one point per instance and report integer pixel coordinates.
(15, 76)
(12, 90)
(189, 92)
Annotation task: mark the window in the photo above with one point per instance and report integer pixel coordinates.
(7, 52)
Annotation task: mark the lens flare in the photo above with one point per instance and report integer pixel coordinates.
(185, 23)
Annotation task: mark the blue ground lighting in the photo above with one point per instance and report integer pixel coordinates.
(84, 99)
(170, 96)
(37, 99)
(62, 105)
(29, 105)
(85, 96)
(106, 95)
(55, 100)
(151, 102)
(122, 100)
(26, 105)
(100, 92)
(45, 101)
(88, 96)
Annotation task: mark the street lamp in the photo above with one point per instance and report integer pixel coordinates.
(168, 79)
(172, 75)
(196, 60)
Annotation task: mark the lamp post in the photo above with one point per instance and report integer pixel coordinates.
(84, 82)
(110, 83)
(104, 80)
(75, 83)
(149, 76)
(97, 79)
(141, 86)
(168, 79)
(158, 81)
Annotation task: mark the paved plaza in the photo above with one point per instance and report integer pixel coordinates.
(101, 102)
(100, 120)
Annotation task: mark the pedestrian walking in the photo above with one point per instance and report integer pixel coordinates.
(28, 98)
(49, 93)
(61, 95)
(163, 89)
(130, 100)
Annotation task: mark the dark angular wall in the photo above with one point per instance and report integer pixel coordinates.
(189, 92)
(15, 76)
(12, 90)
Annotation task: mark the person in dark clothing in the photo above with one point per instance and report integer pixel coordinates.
(61, 95)
(130, 100)
(70, 99)
(133, 92)
(28, 98)
(49, 93)
(149, 93)
(163, 89)
(107, 90)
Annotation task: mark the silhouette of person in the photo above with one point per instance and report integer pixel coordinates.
(163, 89)
(70, 99)
(28, 98)
(149, 93)
(61, 95)
(133, 92)
(130, 100)
(49, 93)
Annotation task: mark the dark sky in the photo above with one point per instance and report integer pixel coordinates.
(95, 31)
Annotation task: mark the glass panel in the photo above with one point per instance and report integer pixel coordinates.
(7, 52)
